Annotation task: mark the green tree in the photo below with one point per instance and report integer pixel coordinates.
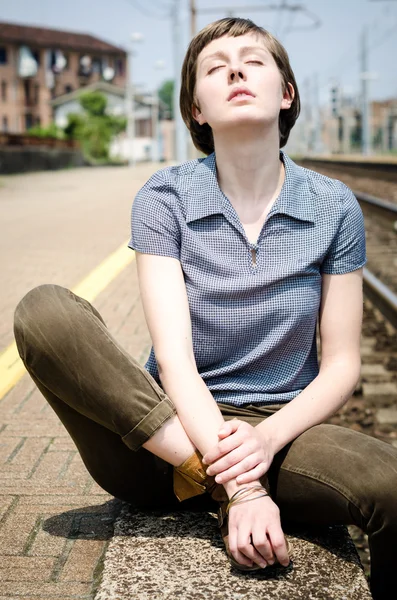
(166, 95)
(95, 128)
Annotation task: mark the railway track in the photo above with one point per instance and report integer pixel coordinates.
(380, 274)
(372, 409)
(372, 168)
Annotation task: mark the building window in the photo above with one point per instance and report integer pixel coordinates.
(96, 65)
(143, 128)
(119, 66)
(5, 124)
(36, 93)
(36, 56)
(28, 121)
(68, 89)
(38, 121)
(3, 55)
(4, 91)
(27, 88)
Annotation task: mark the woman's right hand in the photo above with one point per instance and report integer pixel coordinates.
(255, 534)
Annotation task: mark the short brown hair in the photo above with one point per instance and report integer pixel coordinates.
(202, 134)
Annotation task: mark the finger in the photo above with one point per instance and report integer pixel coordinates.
(229, 427)
(262, 544)
(218, 451)
(223, 448)
(247, 550)
(279, 544)
(253, 474)
(234, 464)
(237, 555)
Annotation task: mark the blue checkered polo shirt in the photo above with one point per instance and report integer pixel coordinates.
(253, 325)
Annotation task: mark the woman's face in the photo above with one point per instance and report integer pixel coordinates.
(229, 63)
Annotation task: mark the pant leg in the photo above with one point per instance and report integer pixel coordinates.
(109, 404)
(334, 475)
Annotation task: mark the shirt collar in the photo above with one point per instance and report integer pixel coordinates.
(206, 198)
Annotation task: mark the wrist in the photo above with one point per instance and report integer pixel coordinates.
(269, 435)
(231, 487)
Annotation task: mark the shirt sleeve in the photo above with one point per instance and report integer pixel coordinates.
(154, 226)
(347, 251)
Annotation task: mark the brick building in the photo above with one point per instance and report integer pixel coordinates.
(39, 64)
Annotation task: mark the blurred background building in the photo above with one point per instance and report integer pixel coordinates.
(39, 64)
(43, 71)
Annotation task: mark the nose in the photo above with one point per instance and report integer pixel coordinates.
(235, 74)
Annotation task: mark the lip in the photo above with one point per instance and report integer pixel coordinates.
(240, 90)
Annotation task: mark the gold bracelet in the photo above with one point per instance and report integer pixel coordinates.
(249, 499)
(245, 491)
(240, 495)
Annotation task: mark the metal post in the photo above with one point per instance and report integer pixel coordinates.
(130, 110)
(180, 133)
(317, 117)
(365, 76)
(155, 125)
(308, 116)
(193, 15)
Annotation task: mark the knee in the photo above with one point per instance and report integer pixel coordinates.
(380, 488)
(38, 311)
(38, 300)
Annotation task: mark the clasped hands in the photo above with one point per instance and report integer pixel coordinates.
(242, 453)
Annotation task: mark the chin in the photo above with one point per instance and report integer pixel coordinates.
(240, 121)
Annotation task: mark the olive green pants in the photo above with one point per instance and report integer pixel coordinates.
(110, 405)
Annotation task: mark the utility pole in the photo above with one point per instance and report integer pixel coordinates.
(307, 116)
(130, 99)
(180, 129)
(193, 18)
(317, 117)
(365, 77)
(129, 110)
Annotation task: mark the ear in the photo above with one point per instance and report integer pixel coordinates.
(288, 96)
(197, 115)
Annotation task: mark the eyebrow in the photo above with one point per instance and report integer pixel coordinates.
(243, 50)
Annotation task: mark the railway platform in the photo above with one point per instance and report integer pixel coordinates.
(57, 526)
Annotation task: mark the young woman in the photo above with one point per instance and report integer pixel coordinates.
(239, 256)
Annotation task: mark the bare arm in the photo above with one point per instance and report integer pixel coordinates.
(166, 309)
(340, 323)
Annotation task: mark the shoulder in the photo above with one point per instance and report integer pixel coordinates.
(327, 194)
(326, 188)
(170, 183)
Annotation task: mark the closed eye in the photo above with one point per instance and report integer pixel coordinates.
(213, 69)
(255, 62)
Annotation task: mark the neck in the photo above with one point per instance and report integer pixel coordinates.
(249, 169)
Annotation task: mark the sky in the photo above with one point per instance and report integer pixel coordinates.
(323, 40)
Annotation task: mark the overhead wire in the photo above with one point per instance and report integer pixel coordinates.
(348, 63)
(147, 12)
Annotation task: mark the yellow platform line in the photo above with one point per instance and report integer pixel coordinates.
(11, 366)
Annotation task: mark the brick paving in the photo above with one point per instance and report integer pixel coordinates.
(57, 226)
(55, 521)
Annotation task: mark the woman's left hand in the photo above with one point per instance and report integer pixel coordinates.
(241, 453)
